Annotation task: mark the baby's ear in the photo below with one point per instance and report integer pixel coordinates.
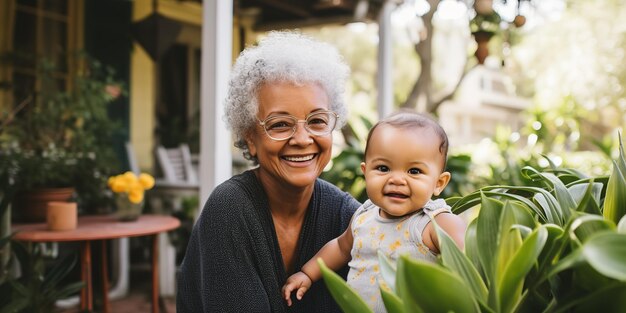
(363, 167)
(442, 182)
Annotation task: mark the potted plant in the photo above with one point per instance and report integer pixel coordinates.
(38, 285)
(483, 27)
(560, 247)
(62, 141)
(129, 192)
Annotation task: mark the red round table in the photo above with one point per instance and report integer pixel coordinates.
(102, 228)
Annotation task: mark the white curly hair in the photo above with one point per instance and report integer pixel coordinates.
(286, 57)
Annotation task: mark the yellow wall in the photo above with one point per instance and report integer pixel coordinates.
(142, 96)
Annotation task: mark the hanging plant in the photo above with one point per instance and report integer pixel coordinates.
(489, 23)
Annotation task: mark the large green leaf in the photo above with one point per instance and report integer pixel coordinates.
(606, 253)
(392, 302)
(509, 242)
(427, 287)
(615, 199)
(408, 296)
(387, 270)
(587, 195)
(511, 281)
(523, 214)
(487, 232)
(552, 247)
(475, 199)
(347, 299)
(471, 245)
(611, 298)
(59, 271)
(621, 226)
(560, 192)
(550, 208)
(454, 259)
(588, 225)
(571, 260)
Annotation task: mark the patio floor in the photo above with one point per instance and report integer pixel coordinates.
(135, 302)
(138, 299)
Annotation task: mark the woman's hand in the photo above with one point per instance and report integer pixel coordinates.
(299, 281)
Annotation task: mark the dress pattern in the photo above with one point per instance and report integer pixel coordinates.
(393, 237)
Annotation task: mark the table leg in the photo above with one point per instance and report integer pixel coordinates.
(86, 294)
(155, 273)
(105, 278)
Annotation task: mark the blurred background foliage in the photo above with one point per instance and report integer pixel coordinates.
(569, 65)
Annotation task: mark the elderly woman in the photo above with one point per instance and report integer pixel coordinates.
(257, 228)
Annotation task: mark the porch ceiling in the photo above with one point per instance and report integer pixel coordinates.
(278, 14)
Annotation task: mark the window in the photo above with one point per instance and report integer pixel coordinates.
(44, 38)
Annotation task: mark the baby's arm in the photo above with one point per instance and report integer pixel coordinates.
(335, 253)
(452, 224)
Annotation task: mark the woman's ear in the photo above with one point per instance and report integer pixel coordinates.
(442, 182)
(251, 145)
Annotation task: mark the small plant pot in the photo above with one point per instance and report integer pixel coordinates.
(519, 21)
(61, 215)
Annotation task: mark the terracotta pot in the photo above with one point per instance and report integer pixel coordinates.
(30, 205)
(482, 49)
(62, 215)
(519, 21)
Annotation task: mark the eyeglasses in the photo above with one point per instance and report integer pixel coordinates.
(282, 127)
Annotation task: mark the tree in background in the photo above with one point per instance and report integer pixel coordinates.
(484, 22)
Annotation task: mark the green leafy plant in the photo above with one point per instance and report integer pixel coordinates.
(38, 286)
(559, 246)
(63, 138)
(487, 23)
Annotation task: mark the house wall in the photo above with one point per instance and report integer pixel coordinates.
(142, 96)
(143, 73)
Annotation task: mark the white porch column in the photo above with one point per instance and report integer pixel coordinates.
(215, 140)
(384, 76)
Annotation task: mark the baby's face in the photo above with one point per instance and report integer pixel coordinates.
(403, 169)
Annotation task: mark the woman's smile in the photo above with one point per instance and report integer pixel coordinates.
(301, 158)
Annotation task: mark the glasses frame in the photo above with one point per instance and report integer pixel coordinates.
(295, 126)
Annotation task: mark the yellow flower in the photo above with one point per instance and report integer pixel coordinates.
(135, 195)
(119, 185)
(131, 186)
(146, 180)
(130, 177)
(136, 187)
(111, 181)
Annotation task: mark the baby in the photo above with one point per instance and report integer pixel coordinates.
(404, 166)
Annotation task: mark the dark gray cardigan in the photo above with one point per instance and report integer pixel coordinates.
(233, 261)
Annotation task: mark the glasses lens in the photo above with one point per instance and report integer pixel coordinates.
(280, 127)
(321, 123)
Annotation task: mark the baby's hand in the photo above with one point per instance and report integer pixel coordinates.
(299, 281)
